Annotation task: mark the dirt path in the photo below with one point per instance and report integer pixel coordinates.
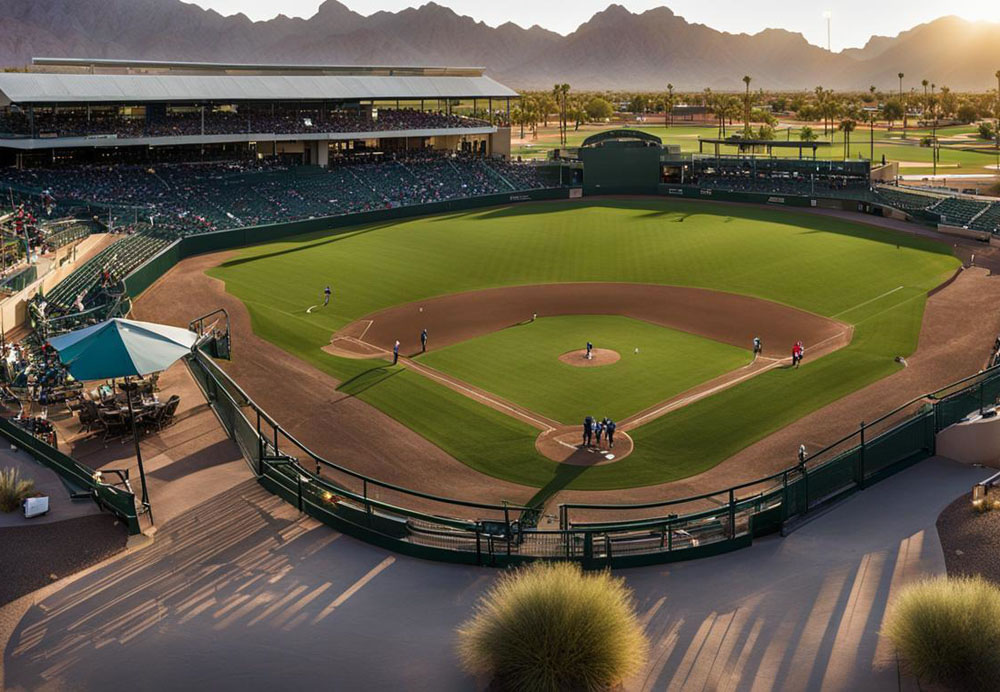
(726, 317)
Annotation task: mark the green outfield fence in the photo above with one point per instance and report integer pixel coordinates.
(77, 477)
(596, 535)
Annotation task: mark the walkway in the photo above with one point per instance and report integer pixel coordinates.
(242, 593)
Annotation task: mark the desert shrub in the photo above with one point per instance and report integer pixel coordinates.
(947, 632)
(13, 489)
(550, 626)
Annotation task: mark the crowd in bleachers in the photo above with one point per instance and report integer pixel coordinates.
(192, 198)
(222, 122)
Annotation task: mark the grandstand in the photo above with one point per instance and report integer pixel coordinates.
(158, 151)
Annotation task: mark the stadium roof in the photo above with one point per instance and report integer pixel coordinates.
(110, 65)
(37, 87)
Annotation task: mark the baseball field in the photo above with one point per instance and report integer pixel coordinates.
(674, 291)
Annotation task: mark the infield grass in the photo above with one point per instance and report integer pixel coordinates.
(869, 277)
(521, 364)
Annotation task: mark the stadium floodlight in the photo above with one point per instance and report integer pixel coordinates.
(828, 16)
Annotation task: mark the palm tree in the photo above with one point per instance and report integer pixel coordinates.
(925, 83)
(564, 97)
(902, 102)
(871, 122)
(668, 114)
(847, 127)
(746, 109)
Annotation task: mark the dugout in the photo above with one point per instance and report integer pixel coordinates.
(621, 162)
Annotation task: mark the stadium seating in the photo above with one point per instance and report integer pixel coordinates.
(68, 124)
(902, 200)
(153, 207)
(957, 211)
(989, 220)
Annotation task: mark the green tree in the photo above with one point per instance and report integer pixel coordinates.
(892, 110)
(598, 108)
(967, 113)
(806, 134)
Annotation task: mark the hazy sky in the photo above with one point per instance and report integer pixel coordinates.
(853, 20)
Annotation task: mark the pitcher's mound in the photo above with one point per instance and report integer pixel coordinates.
(599, 356)
(565, 446)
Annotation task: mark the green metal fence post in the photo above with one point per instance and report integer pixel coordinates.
(784, 494)
(260, 448)
(732, 513)
(506, 521)
(860, 479)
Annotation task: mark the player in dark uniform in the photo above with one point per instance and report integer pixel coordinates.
(395, 353)
(609, 432)
(326, 296)
(588, 430)
(423, 341)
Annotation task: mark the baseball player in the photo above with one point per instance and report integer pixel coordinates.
(423, 341)
(395, 352)
(588, 430)
(758, 346)
(327, 292)
(609, 432)
(590, 348)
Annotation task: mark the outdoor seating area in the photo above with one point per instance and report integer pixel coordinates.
(105, 412)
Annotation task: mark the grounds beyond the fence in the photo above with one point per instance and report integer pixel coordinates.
(502, 534)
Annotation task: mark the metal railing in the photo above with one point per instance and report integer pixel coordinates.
(443, 528)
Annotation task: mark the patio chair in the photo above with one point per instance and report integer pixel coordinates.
(112, 423)
(169, 409)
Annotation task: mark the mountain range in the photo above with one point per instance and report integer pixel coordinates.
(615, 49)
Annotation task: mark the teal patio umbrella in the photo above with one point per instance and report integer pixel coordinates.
(123, 348)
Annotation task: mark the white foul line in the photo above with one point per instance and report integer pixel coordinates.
(860, 305)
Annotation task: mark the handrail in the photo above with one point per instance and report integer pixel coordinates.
(350, 472)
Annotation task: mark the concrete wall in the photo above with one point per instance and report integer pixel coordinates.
(57, 268)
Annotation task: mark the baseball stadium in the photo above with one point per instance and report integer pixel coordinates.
(622, 353)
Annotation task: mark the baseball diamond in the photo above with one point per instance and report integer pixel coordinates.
(295, 355)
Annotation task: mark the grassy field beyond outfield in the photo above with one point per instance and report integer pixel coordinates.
(521, 364)
(869, 277)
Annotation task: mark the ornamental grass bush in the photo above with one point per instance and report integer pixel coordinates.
(13, 489)
(947, 632)
(551, 626)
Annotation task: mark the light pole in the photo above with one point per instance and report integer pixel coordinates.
(828, 15)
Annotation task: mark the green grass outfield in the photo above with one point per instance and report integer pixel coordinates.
(521, 364)
(872, 278)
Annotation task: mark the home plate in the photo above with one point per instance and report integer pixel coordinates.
(609, 457)
(309, 311)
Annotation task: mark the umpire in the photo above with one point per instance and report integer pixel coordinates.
(588, 430)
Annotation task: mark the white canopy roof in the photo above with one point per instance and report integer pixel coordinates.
(37, 87)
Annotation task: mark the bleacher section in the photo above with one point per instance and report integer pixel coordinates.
(957, 211)
(153, 207)
(989, 220)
